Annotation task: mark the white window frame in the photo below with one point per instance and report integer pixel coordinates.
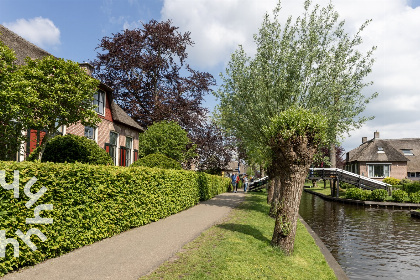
(96, 101)
(117, 150)
(407, 152)
(95, 133)
(371, 173)
(131, 150)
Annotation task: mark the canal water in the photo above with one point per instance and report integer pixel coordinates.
(368, 243)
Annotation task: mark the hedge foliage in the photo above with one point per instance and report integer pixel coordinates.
(399, 196)
(158, 160)
(72, 148)
(392, 181)
(93, 202)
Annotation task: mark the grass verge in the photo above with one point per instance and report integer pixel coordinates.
(240, 249)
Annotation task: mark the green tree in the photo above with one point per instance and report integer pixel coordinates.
(57, 92)
(10, 127)
(167, 138)
(310, 64)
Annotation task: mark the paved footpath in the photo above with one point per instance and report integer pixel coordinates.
(138, 251)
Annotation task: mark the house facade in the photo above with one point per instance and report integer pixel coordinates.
(117, 132)
(379, 158)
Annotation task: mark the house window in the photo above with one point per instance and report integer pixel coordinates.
(90, 132)
(128, 146)
(378, 170)
(407, 152)
(411, 174)
(111, 147)
(381, 150)
(99, 101)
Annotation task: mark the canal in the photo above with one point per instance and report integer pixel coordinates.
(368, 243)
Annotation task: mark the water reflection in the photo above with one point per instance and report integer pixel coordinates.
(369, 243)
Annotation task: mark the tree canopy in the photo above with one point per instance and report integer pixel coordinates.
(59, 93)
(144, 68)
(10, 127)
(167, 138)
(309, 66)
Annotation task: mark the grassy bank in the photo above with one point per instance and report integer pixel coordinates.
(240, 249)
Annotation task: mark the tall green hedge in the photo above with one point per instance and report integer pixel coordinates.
(92, 202)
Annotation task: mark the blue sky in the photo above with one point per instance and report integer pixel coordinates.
(73, 29)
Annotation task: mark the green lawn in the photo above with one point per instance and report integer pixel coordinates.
(240, 249)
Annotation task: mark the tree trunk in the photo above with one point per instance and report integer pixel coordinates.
(270, 191)
(333, 154)
(293, 158)
(276, 197)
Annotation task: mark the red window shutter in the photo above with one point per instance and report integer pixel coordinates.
(123, 152)
(136, 155)
(107, 147)
(32, 140)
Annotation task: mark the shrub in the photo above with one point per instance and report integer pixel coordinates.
(158, 160)
(344, 185)
(72, 148)
(93, 202)
(399, 196)
(379, 195)
(353, 193)
(415, 197)
(357, 194)
(391, 181)
(411, 187)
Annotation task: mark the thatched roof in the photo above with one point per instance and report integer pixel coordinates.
(389, 150)
(119, 115)
(22, 47)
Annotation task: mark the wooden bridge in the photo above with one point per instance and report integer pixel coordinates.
(344, 176)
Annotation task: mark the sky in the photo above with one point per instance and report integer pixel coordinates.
(73, 29)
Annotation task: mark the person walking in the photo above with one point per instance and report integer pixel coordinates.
(245, 183)
(233, 177)
(237, 182)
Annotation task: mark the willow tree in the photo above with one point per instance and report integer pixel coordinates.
(310, 63)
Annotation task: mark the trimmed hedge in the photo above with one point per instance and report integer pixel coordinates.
(399, 196)
(93, 202)
(158, 160)
(72, 148)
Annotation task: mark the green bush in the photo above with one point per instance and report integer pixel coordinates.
(414, 197)
(353, 193)
(72, 148)
(391, 181)
(379, 195)
(357, 194)
(411, 187)
(344, 185)
(93, 202)
(158, 160)
(399, 196)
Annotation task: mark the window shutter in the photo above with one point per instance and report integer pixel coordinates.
(136, 155)
(123, 152)
(107, 145)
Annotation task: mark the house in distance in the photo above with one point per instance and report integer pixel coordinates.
(379, 158)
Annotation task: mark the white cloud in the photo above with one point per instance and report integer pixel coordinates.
(39, 31)
(218, 26)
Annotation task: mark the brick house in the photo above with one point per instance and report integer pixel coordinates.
(380, 158)
(117, 132)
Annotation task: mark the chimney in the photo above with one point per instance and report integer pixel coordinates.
(376, 135)
(87, 67)
(364, 140)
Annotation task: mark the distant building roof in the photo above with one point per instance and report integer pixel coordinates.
(389, 150)
(119, 115)
(22, 47)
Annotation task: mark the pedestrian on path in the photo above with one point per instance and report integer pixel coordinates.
(237, 182)
(233, 177)
(245, 183)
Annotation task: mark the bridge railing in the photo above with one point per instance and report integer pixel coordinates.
(348, 177)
